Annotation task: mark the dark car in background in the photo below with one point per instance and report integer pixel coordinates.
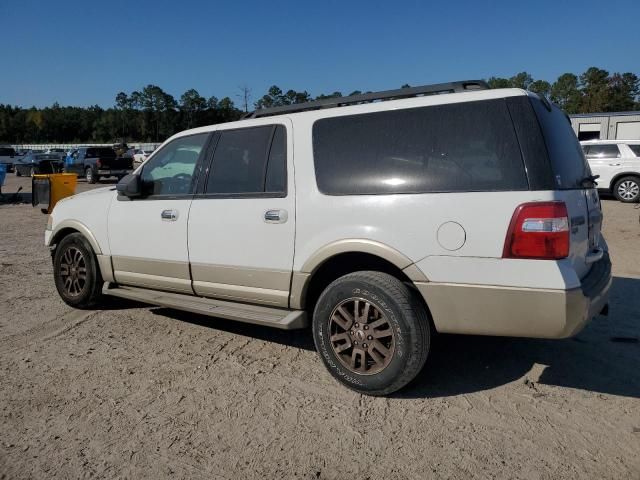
(34, 163)
(8, 158)
(96, 162)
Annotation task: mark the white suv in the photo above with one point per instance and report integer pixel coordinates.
(382, 218)
(617, 162)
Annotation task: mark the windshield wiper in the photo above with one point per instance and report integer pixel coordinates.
(589, 181)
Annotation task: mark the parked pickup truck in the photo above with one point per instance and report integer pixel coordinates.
(94, 163)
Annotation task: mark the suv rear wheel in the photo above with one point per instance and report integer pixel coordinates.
(371, 332)
(627, 189)
(76, 273)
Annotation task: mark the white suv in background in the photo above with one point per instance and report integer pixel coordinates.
(380, 217)
(617, 162)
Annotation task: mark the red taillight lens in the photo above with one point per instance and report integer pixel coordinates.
(98, 163)
(538, 230)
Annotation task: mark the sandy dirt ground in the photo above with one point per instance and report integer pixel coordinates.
(139, 392)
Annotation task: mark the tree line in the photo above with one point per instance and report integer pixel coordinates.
(152, 115)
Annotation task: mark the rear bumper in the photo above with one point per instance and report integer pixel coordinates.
(110, 172)
(518, 312)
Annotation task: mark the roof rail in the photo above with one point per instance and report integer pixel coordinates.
(408, 92)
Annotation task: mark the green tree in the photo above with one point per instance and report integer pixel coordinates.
(595, 90)
(521, 80)
(566, 94)
(191, 104)
(623, 91)
(541, 87)
(497, 82)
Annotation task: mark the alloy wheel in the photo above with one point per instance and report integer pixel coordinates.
(361, 336)
(628, 190)
(73, 271)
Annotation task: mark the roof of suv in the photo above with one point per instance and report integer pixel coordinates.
(596, 142)
(419, 101)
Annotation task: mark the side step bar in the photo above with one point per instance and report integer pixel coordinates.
(241, 312)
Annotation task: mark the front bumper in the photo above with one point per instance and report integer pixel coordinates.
(518, 312)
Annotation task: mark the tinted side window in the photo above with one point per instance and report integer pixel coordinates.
(276, 178)
(240, 161)
(444, 148)
(171, 170)
(567, 159)
(635, 149)
(100, 152)
(603, 151)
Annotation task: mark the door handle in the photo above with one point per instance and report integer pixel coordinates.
(169, 215)
(276, 216)
(615, 164)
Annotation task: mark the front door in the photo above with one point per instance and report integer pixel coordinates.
(242, 221)
(77, 162)
(604, 160)
(148, 236)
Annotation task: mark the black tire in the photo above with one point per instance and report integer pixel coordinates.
(90, 176)
(89, 292)
(627, 189)
(405, 316)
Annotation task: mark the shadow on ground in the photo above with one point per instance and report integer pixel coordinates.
(14, 198)
(604, 358)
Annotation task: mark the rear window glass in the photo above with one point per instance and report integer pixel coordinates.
(7, 152)
(101, 152)
(566, 156)
(445, 148)
(635, 149)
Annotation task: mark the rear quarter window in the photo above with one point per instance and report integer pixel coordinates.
(445, 148)
(635, 149)
(101, 152)
(565, 154)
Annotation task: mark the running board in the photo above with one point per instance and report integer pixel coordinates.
(241, 312)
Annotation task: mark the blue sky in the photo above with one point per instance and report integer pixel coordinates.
(84, 52)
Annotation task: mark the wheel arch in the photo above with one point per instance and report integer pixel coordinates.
(618, 176)
(344, 257)
(67, 227)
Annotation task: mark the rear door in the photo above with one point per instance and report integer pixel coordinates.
(571, 171)
(242, 221)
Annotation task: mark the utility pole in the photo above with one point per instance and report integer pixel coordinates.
(245, 97)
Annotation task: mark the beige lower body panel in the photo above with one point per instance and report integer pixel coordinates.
(157, 274)
(504, 311)
(240, 293)
(242, 284)
(104, 263)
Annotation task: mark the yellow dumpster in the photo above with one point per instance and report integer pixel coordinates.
(49, 189)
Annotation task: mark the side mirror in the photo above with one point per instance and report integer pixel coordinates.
(130, 186)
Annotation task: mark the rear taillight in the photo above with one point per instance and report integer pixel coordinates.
(98, 163)
(538, 230)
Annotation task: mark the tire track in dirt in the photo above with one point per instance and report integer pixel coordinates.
(46, 331)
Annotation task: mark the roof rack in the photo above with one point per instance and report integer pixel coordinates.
(408, 92)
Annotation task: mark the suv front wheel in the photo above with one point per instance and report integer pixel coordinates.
(371, 332)
(76, 273)
(627, 189)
